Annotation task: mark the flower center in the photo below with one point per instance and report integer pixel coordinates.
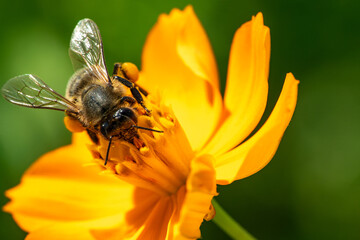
(156, 161)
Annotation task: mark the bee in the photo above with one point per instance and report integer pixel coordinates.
(104, 105)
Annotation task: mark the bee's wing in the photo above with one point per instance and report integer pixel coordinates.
(86, 49)
(30, 91)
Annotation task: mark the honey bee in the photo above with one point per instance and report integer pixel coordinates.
(104, 105)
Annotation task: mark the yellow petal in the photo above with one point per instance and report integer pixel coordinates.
(148, 220)
(62, 231)
(178, 62)
(255, 153)
(200, 189)
(246, 86)
(75, 230)
(155, 226)
(59, 188)
(176, 216)
(195, 50)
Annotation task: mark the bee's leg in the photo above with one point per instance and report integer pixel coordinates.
(127, 99)
(126, 70)
(143, 91)
(117, 70)
(134, 91)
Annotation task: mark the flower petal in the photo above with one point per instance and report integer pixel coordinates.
(59, 189)
(200, 189)
(255, 153)
(76, 230)
(178, 61)
(246, 86)
(155, 226)
(177, 216)
(147, 220)
(64, 231)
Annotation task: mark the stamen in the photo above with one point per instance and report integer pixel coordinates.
(157, 160)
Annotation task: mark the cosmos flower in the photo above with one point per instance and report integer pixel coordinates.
(163, 190)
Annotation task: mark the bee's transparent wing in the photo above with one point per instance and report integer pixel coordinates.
(30, 91)
(86, 49)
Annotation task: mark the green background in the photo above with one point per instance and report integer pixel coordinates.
(311, 188)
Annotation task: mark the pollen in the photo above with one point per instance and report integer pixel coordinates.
(131, 71)
(159, 162)
(73, 125)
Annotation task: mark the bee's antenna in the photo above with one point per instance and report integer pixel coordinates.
(149, 129)
(108, 150)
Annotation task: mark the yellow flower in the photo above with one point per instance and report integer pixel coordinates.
(162, 189)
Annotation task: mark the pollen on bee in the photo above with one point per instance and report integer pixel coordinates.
(73, 125)
(131, 71)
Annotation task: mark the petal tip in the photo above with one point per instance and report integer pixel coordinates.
(291, 77)
(258, 18)
(6, 208)
(260, 15)
(189, 9)
(176, 12)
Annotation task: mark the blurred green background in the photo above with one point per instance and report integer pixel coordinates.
(311, 188)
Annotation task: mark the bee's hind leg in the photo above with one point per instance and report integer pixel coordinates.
(117, 70)
(126, 70)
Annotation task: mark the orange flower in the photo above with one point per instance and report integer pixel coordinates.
(164, 189)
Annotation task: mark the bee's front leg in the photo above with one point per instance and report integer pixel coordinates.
(134, 91)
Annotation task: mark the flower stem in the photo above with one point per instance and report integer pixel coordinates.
(229, 225)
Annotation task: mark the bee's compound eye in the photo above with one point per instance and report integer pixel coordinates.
(125, 114)
(131, 71)
(104, 129)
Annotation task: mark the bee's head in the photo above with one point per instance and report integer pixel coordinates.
(123, 119)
